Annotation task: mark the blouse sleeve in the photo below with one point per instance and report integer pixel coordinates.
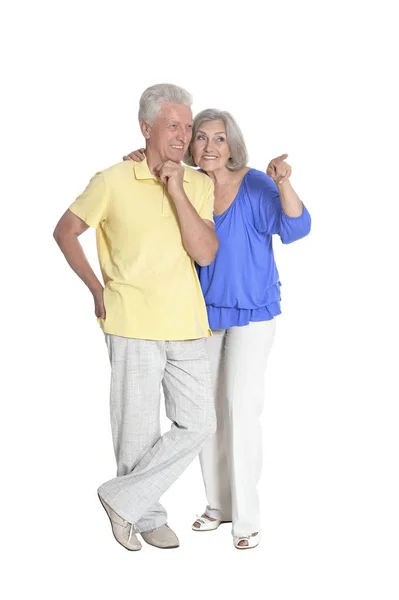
(269, 215)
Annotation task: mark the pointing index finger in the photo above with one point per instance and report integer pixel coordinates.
(281, 158)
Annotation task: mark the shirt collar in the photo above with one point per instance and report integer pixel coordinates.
(142, 171)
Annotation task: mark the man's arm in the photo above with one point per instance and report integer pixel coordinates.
(66, 234)
(198, 235)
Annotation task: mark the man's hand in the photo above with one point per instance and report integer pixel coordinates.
(171, 174)
(136, 155)
(278, 169)
(99, 307)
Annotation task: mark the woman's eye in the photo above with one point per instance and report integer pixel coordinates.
(200, 137)
(220, 139)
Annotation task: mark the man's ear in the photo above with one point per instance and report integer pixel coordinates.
(145, 129)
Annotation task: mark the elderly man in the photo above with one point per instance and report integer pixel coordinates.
(153, 220)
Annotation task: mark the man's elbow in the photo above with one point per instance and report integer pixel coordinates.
(61, 233)
(57, 234)
(210, 256)
(205, 260)
(204, 263)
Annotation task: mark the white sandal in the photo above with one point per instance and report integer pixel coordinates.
(205, 524)
(253, 541)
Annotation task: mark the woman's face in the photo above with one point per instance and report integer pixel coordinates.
(209, 147)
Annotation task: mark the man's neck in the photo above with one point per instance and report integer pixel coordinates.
(153, 159)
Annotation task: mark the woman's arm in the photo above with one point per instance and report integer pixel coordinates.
(280, 172)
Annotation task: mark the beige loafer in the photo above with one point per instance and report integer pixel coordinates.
(161, 537)
(123, 530)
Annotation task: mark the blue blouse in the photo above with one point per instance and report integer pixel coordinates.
(242, 284)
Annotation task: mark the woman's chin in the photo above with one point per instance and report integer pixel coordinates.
(209, 165)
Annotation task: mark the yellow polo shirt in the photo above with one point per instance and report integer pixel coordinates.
(151, 287)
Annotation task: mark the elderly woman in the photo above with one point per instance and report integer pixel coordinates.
(242, 294)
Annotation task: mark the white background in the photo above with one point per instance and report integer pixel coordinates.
(312, 79)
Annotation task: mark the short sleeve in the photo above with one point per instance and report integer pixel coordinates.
(92, 205)
(208, 202)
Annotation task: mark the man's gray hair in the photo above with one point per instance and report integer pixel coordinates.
(153, 97)
(234, 138)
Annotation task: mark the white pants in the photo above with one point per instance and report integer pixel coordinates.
(231, 460)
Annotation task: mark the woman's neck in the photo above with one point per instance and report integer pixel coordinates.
(221, 176)
(224, 177)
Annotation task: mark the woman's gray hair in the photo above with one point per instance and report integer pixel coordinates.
(153, 97)
(234, 138)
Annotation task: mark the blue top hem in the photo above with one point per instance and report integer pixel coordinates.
(223, 318)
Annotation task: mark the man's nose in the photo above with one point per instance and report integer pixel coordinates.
(184, 135)
(181, 134)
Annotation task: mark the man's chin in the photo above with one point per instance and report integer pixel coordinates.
(176, 155)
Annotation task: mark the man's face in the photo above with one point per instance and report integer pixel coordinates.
(170, 134)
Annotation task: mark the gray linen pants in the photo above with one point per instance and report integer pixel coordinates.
(148, 463)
